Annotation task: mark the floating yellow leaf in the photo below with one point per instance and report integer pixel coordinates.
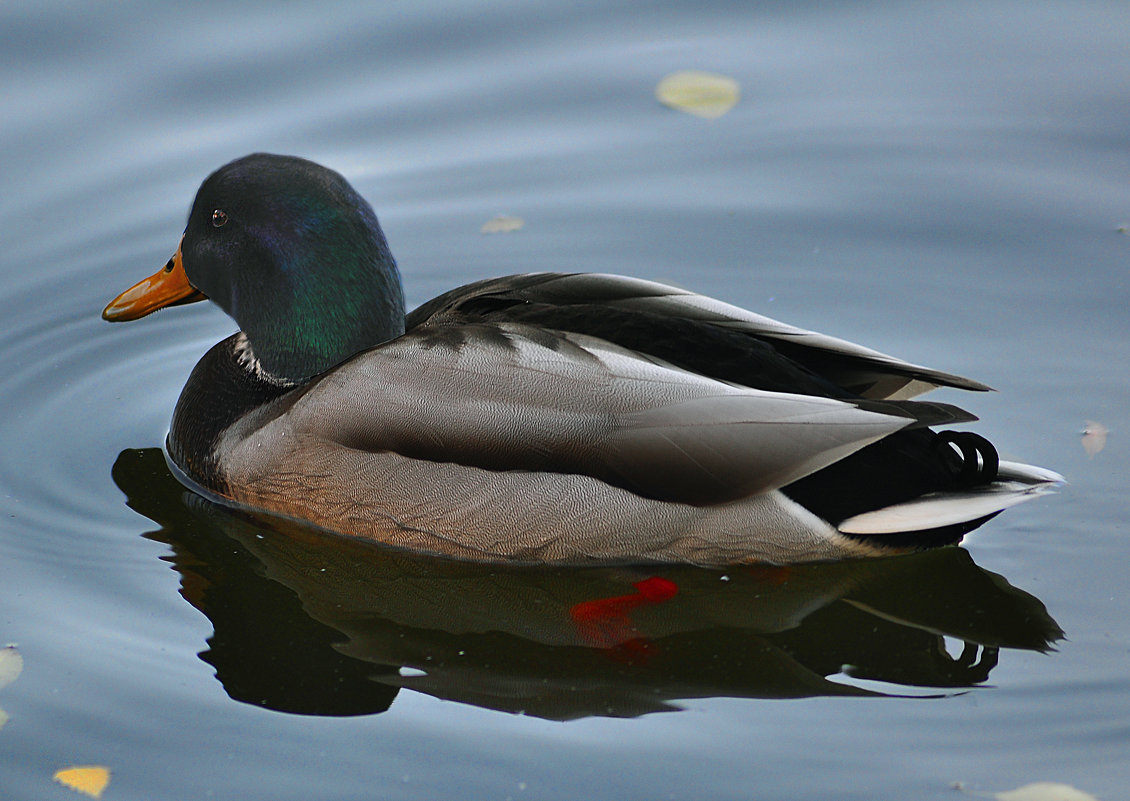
(1094, 437)
(89, 780)
(501, 225)
(705, 94)
(1045, 791)
(11, 664)
(3, 718)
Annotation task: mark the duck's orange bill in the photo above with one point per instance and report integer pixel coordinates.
(167, 287)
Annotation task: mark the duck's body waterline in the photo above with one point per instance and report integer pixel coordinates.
(543, 418)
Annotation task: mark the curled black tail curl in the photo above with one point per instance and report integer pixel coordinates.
(979, 459)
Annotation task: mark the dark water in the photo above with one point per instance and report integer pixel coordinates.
(941, 181)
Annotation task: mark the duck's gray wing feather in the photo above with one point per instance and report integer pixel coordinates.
(514, 397)
(584, 302)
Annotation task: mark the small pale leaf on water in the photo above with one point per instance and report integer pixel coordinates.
(502, 225)
(1094, 437)
(704, 94)
(11, 664)
(1045, 791)
(3, 718)
(89, 780)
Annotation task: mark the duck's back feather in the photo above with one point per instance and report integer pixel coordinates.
(693, 331)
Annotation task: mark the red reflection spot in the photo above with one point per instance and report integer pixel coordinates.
(656, 590)
(605, 622)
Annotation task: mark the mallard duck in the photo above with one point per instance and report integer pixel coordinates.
(542, 418)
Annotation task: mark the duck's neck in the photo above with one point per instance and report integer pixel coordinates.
(221, 390)
(347, 301)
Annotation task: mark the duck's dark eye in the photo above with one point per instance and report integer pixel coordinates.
(219, 218)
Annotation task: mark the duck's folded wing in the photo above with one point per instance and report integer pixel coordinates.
(654, 317)
(514, 397)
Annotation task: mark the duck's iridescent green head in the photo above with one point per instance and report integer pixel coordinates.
(296, 257)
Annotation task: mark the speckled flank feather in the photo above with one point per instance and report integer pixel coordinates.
(527, 516)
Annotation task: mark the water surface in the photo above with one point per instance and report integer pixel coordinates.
(944, 182)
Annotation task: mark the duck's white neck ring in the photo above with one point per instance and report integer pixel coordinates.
(250, 362)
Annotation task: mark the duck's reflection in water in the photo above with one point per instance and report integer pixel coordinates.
(317, 624)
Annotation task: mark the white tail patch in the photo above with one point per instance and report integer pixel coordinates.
(1015, 484)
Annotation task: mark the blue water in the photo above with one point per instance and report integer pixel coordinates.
(945, 182)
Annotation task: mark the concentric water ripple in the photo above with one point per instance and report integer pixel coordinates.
(78, 391)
